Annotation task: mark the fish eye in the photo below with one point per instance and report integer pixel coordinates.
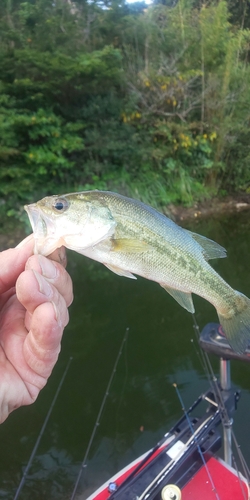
(60, 205)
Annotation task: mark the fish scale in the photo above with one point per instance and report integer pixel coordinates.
(131, 238)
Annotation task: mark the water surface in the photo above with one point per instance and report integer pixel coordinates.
(142, 403)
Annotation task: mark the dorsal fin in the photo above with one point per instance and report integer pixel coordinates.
(211, 249)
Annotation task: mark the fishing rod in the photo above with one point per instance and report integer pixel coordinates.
(196, 441)
(176, 434)
(97, 423)
(221, 409)
(26, 470)
(196, 434)
(225, 383)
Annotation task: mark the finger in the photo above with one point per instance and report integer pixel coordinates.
(58, 255)
(54, 273)
(32, 290)
(12, 263)
(42, 344)
(25, 241)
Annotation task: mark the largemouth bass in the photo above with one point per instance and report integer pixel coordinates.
(130, 238)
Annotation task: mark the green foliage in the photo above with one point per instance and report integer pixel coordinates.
(150, 101)
(35, 148)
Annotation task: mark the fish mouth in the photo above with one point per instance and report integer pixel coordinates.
(43, 230)
(37, 222)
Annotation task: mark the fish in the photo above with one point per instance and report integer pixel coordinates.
(131, 238)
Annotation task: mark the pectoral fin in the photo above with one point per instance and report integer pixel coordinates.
(184, 299)
(129, 246)
(120, 272)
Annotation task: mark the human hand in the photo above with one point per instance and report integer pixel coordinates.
(35, 293)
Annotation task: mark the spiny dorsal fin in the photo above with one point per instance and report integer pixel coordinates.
(184, 299)
(211, 249)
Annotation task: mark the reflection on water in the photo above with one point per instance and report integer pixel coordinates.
(142, 403)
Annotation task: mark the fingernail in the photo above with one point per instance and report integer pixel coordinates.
(49, 270)
(25, 241)
(44, 286)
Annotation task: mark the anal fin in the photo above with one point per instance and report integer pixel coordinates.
(183, 298)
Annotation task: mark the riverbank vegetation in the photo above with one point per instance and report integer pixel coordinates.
(151, 101)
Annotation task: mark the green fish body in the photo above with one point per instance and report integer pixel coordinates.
(130, 238)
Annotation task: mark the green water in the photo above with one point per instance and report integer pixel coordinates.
(142, 403)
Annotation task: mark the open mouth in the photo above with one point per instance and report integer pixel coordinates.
(44, 231)
(37, 222)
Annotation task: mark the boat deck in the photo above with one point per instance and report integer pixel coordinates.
(226, 482)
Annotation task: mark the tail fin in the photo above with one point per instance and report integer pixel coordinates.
(237, 325)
